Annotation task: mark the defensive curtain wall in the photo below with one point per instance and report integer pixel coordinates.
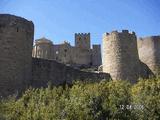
(16, 39)
(18, 70)
(123, 58)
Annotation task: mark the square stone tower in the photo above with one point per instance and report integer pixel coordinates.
(82, 40)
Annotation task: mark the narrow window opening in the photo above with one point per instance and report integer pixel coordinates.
(17, 29)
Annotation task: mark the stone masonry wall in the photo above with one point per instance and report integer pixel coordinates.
(45, 71)
(149, 52)
(43, 48)
(16, 39)
(120, 55)
(82, 40)
(62, 53)
(18, 69)
(96, 55)
(81, 56)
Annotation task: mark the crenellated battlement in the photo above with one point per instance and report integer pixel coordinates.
(119, 32)
(82, 40)
(82, 34)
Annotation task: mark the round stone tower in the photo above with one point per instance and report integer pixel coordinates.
(16, 40)
(43, 48)
(149, 52)
(120, 55)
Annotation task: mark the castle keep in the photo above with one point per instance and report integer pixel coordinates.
(22, 65)
(80, 54)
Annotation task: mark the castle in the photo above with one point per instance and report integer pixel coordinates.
(125, 57)
(79, 55)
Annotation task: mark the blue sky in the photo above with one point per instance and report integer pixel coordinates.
(58, 20)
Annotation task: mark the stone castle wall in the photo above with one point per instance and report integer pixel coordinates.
(149, 52)
(120, 55)
(96, 55)
(80, 54)
(16, 39)
(62, 53)
(50, 71)
(18, 69)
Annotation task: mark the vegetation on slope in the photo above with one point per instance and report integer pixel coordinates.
(83, 101)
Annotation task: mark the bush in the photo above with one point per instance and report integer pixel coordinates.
(146, 94)
(84, 101)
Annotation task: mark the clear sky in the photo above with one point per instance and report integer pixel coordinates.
(58, 20)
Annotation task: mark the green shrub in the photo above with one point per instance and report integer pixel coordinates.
(146, 95)
(86, 101)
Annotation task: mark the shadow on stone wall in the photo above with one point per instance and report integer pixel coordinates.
(45, 71)
(145, 71)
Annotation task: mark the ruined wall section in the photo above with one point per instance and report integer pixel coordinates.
(149, 52)
(45, 71)
(120, 55)
(96, 55)
(82, 40)
(16, 41)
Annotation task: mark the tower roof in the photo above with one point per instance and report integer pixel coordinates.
(43, 40)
